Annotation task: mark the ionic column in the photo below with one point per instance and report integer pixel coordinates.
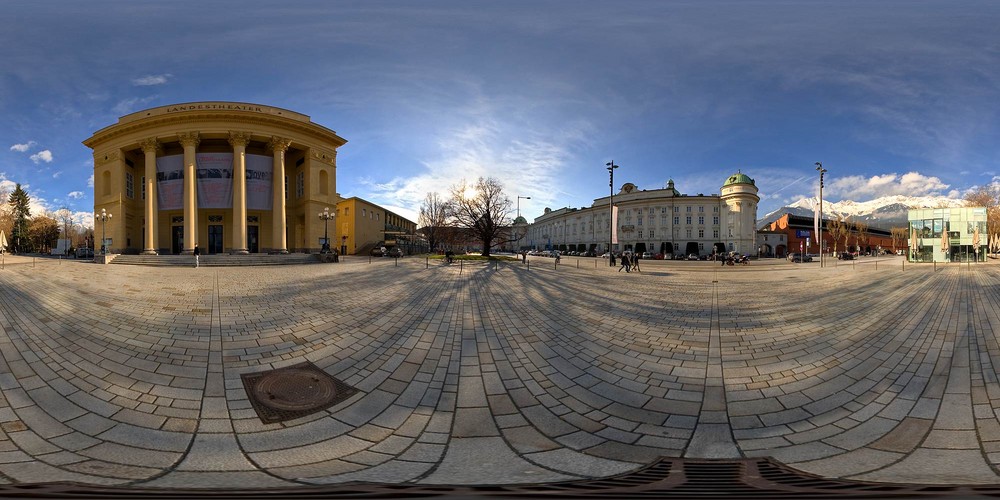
(190, 142)
(149, 148)
(279, 145)
(239, 141)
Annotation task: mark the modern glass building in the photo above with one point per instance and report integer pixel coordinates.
(948, 234)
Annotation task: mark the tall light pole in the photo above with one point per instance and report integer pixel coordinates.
(104, 217)
(519, 198)
(611, 206)
(819, 167)
(326, 216)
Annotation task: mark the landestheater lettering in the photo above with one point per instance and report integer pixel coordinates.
(227, 107)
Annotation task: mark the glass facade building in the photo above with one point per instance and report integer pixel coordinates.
(947, 234)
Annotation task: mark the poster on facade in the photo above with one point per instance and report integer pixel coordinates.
(215, 180)
(170, 182)
(259, 189)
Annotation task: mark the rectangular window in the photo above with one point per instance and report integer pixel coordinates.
(688, 219)
(701, 220)
(715, 234)
(142, 185)
(677, 209)
(701, 247)
(639, 222)
(129, 185)
(688, 209)
(364, 212)
(701, 209)
(677, 220)
(640, 234)
(688, 233)
(651, 234)
(300, 185)
(701, 233)
(716, 209)
(715, 220)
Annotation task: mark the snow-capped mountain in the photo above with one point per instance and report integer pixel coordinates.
(885, 212)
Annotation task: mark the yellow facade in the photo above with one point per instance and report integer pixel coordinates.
(363, 225)
(269, 157)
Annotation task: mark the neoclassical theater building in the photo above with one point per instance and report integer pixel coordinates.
(656, 221)
(228, 177)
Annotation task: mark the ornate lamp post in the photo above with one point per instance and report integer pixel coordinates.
(326, 216)
(819, 167)
(104, 217)
(611, 207)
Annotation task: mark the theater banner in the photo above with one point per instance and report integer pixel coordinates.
(214, 174)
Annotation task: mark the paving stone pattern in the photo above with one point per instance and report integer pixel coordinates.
(484, 374)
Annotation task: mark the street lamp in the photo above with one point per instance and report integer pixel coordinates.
(611, 207)
(519, 204)
(104, 217)
(819, 167)
(325, 216)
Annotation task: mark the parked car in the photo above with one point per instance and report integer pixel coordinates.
(395, 252)
(846, 256)
(647, 255)
(692, 256)
(798, 257)
(85, 253)
(376, 252)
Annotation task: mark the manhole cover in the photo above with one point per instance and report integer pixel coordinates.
(294, 391)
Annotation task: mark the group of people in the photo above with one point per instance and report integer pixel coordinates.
(630, 262)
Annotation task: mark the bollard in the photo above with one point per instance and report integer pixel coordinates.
(555, 264)
(876, 264)
(461, 265)
(935, 265)
(32, 262)
(396, 262)
(427, 262)
(529, 265)
(369, 259)
(578, 263)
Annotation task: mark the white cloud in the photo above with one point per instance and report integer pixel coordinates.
(76, 195)
(22, 148)
(44, 155)
(149, 80)
(57, 174)
(90, 181)
(860, 188)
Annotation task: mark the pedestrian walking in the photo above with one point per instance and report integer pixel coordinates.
(635, 263)
(197, 254)
(626, 265)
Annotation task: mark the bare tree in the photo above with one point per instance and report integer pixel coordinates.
(987, 196)
(433, 219)
(482, 209)
(899, 234)
(863, 236)
(833, 228)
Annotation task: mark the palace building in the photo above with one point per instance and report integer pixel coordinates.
(659, 221)
(226, 177)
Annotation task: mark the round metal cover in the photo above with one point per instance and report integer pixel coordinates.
(295, 389)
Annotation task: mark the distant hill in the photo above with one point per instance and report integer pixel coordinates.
(885, 213)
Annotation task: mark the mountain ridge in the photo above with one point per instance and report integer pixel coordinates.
(885, 212)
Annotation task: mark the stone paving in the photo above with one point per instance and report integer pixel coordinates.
(476, 374)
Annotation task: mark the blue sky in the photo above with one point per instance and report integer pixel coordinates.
(893, 97)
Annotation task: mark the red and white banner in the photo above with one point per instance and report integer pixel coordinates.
(215, 180)
(170, 182)
(260, 170)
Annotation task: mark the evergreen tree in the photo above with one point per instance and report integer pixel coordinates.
(20, 212)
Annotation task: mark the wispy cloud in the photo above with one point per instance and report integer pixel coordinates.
(90, 181)
(127, 106)
(75, 195)
(42, 156)
(149, 80)
(23, 148)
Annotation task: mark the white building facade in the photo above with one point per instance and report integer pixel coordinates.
(659, 221)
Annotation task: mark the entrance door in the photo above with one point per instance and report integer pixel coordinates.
(252, 245)
(215, 239)
(177, 240)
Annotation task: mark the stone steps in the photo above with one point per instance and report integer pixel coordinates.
(218, 260)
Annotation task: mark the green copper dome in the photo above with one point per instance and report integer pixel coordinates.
(739, 178)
